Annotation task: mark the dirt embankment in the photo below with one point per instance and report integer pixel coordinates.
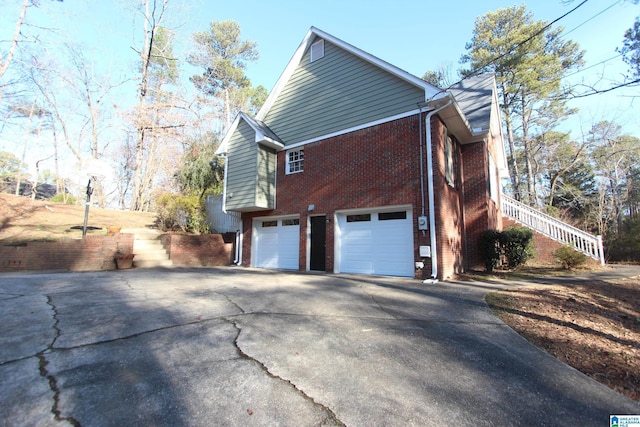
(23, 220)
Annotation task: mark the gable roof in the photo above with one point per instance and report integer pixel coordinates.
(469, 115)
(264, 135)
(430, 90)
(475, 96)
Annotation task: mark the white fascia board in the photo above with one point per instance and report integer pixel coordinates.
(268, 142)
(286, 75)
(222, 149)
(429, 90)
(475, 134)
(495, 108)
(352, 129)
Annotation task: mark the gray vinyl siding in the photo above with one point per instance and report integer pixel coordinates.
(265, 191)
(242, 167)
(337, 92)
(251, 172)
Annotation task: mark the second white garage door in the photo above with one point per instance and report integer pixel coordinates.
(276, 243)
(376, 243)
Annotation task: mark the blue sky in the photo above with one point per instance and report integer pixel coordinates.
(411, 34)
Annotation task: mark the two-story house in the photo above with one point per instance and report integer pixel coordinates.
(356, 166)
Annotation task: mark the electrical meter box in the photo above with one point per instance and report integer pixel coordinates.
(422, 223)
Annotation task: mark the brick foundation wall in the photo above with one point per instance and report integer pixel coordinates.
(89, 254)
(200, 250)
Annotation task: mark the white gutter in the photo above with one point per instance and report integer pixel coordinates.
(238, 252)
(224, 185)
(432, 214)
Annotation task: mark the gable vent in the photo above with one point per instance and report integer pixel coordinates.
(317, 50)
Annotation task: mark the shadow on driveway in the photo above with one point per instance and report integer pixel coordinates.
(231, 346)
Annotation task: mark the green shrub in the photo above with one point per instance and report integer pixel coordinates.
(569, 258)
(517, 245)
(65, 198)
(184, 213)
(489, 249)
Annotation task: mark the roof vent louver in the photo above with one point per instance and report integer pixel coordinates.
(317, 50)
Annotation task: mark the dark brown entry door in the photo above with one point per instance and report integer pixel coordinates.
(318, 243)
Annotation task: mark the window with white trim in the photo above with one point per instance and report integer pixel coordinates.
(317, 50)
(295, 160)
(448, 158)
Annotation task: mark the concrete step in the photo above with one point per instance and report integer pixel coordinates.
(152, 263)
(148, 249)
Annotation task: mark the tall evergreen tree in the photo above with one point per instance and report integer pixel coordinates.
(529, 59)
(224, 55)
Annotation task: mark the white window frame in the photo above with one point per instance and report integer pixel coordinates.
(493, 179)
(295, 160)
(448, 159)
(317, 50)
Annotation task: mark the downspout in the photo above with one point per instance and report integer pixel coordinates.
(421, 163)
(238, 252)
(224, 184)
(432, 214)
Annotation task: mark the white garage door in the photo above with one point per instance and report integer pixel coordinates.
(276, 243)
(376, 243)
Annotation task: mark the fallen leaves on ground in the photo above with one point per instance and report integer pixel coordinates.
(593, 326)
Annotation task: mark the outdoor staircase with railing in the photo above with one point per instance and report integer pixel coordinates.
(553, 228)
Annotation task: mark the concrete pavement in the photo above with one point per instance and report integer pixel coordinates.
(245, 347)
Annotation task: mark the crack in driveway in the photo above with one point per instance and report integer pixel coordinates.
(51, 379)
(331, 416)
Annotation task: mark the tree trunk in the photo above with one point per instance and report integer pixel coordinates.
(136, 194)
(532, 197)
(513, 163)
(4, 64)
(27, 137)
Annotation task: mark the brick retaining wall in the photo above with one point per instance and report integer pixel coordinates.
(88, 254)
(200, 250)
(95, 253)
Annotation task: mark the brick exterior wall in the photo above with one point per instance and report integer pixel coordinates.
(200, 250)
(481, 212)
(448, 205)
(89, 254)
(373, 167)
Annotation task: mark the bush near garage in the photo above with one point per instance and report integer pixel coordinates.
(185, 213)
(490, 249)
(513, 245)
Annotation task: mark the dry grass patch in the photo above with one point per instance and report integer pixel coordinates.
(24, 220)
(594, 326)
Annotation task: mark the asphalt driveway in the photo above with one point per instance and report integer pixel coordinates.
(243, 347)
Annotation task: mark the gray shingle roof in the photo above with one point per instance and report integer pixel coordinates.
(474, 96)
(261, 127)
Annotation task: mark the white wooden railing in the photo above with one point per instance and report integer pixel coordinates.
(551, 227)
